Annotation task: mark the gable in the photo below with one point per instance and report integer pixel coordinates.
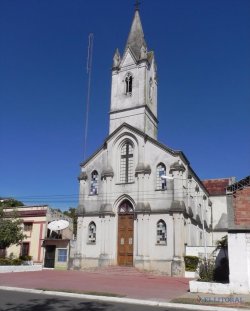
(128, 59)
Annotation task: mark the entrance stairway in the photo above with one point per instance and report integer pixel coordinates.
(116, 270)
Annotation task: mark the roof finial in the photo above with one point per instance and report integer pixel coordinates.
(137, 4)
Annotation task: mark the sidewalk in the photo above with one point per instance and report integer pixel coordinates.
(123, 282)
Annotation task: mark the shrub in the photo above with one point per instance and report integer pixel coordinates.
(10, 262)
(206, 270)
(5, 262)
(191, 263)
(25, 258)
(16, 262)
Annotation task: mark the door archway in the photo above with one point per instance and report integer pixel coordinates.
(125, 245)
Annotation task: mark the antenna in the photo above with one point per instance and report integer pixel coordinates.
(89, 70)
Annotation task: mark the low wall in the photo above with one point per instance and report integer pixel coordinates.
(216, 288)
(6, 269)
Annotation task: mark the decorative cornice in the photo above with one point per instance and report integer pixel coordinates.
(137, 107)
(177, 207)
(142, 168)
(107, 172)
(83, 176)
(142, 207)
(176, 166)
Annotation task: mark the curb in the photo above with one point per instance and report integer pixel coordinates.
(122, 300)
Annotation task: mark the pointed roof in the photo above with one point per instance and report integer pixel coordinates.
(136, 36)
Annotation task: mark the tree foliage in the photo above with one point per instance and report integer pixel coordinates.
(72, 213)
(11, 231)
(10, 202)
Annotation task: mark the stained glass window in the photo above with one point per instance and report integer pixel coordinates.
(161, 232)
(161, 183)
(126, 163)
(94, 183)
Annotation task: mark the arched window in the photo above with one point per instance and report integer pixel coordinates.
(161, 181)
(94, 183)
(126, 207)
(128, 84)
(161, 236)
(126, 163)
(92, 233)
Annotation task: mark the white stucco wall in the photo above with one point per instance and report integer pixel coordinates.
(220, 223)
(239, 261)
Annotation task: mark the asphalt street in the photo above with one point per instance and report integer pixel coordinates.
(18, 301)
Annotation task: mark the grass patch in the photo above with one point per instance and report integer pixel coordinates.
(82, 292)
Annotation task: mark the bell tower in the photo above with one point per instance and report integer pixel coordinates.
(134, 84)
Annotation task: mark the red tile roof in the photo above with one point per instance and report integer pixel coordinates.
(217, 186)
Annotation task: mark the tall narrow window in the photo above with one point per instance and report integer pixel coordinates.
(126, 163)
(128, 84)
(161, 237)
(151, 90)
(92, 233)
(161, 181)
(94, 183)
(25, 248)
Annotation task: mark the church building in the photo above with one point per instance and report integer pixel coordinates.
(140, 202)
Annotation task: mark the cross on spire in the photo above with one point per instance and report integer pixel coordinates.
(137, 4)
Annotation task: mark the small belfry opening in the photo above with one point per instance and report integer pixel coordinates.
(128, 84)
(125, 243)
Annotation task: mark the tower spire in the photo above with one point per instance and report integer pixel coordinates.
(137, 4)
(136, 36)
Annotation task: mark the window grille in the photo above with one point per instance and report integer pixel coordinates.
(161, 184)
(126, 163)
(94, 183)
(92, 233)
(161, 232)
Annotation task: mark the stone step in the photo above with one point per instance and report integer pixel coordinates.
(116, 270)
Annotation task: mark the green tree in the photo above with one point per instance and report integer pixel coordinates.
(10, 202)
(11, 231)
(72, 213)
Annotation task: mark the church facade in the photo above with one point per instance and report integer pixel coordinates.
(140, 202)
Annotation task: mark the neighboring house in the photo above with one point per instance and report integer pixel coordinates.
(238, 197)
(140, 201)
(48, 248)
(217, 191)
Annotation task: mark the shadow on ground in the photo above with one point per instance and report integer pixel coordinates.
(54, 304)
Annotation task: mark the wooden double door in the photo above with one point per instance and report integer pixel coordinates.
(125, 239)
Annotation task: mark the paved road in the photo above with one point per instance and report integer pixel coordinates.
(18, 301)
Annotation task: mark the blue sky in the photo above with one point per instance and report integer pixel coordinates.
(202, 51)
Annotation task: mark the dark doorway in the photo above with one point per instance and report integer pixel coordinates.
(49, 261)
